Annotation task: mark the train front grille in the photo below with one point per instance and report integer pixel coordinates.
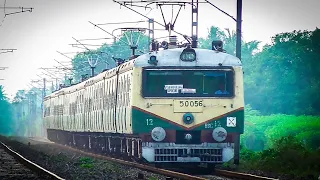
(173, 154)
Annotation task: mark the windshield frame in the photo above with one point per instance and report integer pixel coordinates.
(146, 95)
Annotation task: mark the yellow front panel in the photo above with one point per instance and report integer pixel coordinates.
(171, 110)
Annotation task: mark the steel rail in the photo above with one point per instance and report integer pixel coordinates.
(34, 167)
(233, 174)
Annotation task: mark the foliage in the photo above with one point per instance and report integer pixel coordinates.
(262, 131)
(283, 77)
(6, 124)
(229, 42)
(287, 156)
(27, 113)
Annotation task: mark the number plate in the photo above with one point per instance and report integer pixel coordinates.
(188, 105)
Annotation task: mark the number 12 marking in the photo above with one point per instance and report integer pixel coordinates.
(149, 122)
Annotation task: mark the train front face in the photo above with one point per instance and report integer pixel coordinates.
(187, 114)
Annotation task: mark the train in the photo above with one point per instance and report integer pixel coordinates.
(174, 105)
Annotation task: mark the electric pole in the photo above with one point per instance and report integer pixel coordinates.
(194, 24)
(238, 54)
(43, 93)
(239, 27)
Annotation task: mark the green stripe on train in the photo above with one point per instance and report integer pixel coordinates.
(144, 122)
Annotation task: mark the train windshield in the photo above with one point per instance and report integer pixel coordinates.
(188, 83)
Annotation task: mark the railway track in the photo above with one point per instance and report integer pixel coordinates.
(239, 175)
(170, 174)
(165, 172)
(15, 166)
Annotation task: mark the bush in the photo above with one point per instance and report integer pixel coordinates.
(288, 156)
(261, 132)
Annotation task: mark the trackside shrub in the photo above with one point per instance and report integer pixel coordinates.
(288, 156)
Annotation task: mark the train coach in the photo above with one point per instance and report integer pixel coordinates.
(179, 105)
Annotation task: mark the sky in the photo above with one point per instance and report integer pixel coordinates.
(51, 26)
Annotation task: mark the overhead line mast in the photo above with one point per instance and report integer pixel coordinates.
(130, 45)
(123, 3)
(194, 25)
(170, 26)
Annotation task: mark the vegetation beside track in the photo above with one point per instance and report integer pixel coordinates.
(280, 145)
(288, 157)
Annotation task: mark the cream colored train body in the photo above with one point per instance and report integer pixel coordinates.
(166, 111)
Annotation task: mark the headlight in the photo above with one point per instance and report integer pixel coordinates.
(158, 134)
(219, 134)
(153, 60)
(188, 54)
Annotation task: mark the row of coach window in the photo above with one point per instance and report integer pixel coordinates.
(99, 98)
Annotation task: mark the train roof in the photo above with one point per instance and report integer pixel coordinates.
(205, 57)
(168, 57)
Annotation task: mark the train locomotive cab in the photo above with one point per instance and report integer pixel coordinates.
(188, 106)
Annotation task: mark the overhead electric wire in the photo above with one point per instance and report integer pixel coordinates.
(221, 10)
(87, 44)
(72, 52)
(93, 39)
(121, 23)
(64, 55)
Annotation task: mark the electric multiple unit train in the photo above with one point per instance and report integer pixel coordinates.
(177, 105)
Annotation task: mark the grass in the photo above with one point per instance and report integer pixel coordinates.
(86, 162)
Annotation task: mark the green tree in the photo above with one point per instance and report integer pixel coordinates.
(284, 77)
(229, 42)
(5, 114)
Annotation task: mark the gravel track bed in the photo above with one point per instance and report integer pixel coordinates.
(10, 168)
(72, 165)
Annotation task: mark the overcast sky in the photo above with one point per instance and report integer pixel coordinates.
(52, 24)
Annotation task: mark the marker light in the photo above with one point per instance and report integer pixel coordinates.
(153, 60)
(188, 54)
